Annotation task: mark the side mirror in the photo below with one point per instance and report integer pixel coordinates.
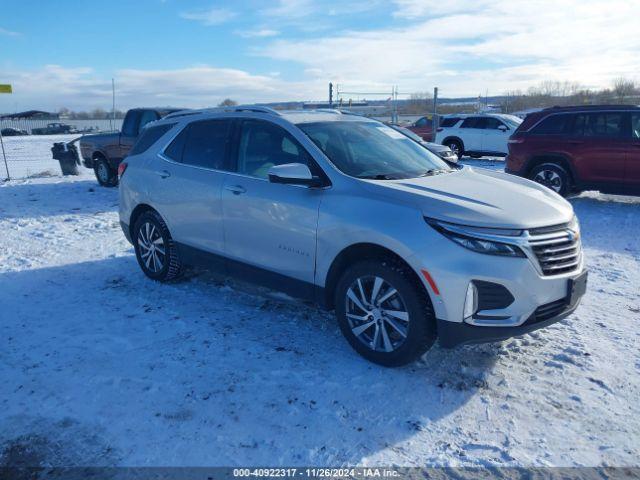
(503, 128)
(293, 174)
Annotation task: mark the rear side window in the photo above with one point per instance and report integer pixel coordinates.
(206, 144)
(471, 122)
(146, 117)
(176, 147)
(449, 122)
(148, 137)
(553, 125)
(608, 125)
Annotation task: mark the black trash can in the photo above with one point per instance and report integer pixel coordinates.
(67, 155)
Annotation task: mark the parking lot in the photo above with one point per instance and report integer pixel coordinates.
(101, 366)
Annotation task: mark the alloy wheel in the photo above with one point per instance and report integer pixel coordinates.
(549, 179)
(151, 247)
(455, 148)
(377, 314)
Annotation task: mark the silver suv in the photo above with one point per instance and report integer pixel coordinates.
(354, 215)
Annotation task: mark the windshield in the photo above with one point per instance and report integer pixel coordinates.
(511, 120)
(372, 150)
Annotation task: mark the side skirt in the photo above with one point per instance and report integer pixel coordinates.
(300, 289)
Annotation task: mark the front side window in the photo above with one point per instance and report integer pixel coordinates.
(205, 144)
(595, 125)
(491, 123)
(449, 122)
(264, 145)
(423, 122)
(372, 150)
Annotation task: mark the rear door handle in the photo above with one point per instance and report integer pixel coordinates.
(163, 173)
(236, 189)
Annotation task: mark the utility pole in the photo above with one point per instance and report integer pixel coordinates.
(113, 104)
(436, 120)
(330, 95)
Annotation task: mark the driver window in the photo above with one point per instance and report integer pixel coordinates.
(263, 145)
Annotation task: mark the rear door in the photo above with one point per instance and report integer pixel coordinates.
(189, 175)
(598, 146)
(268, 225)
(632, 164)
(471, 133)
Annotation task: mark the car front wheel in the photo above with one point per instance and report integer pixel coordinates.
(384, 312)
(552, 176)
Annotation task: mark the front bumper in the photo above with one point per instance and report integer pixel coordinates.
(451, 334)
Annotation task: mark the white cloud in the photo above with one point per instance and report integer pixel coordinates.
(198, 86)
(499, 45)
(257, 33)
(210, 17)
(9, 33)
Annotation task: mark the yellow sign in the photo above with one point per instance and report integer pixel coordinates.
(5, 88)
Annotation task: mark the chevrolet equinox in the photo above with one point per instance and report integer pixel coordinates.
(348, 212)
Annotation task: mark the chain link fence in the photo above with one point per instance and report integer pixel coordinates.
(26, 143)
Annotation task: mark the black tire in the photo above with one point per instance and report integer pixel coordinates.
(150, 229)
(455, 145)
(106, 176)
(420, 330)
(552, 176)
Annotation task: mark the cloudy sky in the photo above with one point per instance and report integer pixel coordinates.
(197, 52)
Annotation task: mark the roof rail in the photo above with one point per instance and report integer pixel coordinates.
(235, 108)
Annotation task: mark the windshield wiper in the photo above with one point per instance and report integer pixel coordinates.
(381, 176)
(433, 171)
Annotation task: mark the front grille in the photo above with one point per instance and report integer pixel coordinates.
(557, 249)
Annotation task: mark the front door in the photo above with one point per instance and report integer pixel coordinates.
(188, 183)
(599, 147)
(267, 225)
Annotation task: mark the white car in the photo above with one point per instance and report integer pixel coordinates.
(477, 135)
(347, 212)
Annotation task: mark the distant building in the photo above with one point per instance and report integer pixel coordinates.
(31, 114)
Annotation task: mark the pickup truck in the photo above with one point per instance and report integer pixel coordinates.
(53, 129)
(103, 152)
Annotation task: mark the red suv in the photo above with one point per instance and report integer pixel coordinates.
(570, 149)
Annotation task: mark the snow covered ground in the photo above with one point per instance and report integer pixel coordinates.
(31, 155)
(101, 366)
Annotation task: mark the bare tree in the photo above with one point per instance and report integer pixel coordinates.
(419, 102)
(624, 88)
(227, 102)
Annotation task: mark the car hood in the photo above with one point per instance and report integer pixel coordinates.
(479, 197)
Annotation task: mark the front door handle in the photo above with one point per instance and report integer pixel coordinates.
(236, 189)
(163, 174)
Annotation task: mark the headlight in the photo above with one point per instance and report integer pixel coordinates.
(464, 236)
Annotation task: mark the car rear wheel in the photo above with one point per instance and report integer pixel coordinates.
(552, 176)
(156, 251)
(106, 176)
(384, 312)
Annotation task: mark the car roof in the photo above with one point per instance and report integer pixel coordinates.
(293, 116)
(582, 108)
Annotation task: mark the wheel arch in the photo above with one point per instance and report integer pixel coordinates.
(450, 138)
(359, 252)
(557, 158)
(136, 213)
